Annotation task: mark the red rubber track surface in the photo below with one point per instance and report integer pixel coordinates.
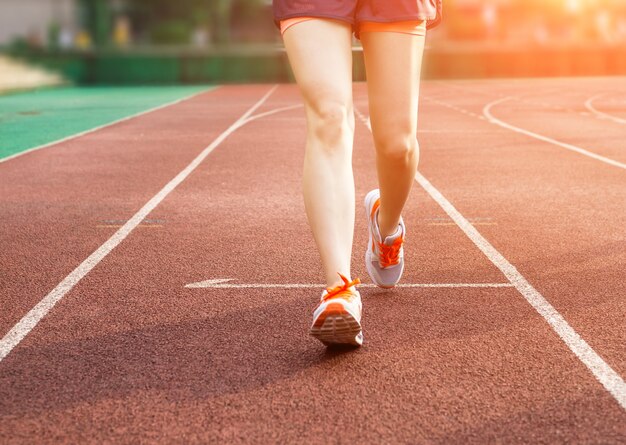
(54, 202)
(609, 105)
(130, 355)
(561, 215)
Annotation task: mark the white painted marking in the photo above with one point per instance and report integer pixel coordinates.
(100, 127)
(209, 283)
(601, 114)
(30, 320)
(601, 370)
(494, 120)
(222, 283)
(269, 113)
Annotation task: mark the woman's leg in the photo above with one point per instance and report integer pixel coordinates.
(320, 55)
(393, 64)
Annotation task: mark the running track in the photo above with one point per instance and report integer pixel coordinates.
(511, 327)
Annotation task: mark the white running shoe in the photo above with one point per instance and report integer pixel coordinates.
(337, 318)
(384, 260)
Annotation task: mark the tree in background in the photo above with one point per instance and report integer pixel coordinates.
(97, 18)
(221, 18)
(174, 22)
(180, 22)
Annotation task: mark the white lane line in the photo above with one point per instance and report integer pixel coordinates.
(100, 127)
(601, 370)
(453, 107)
(222, 283)
(494, 120)
(594, 110)
(30, 320)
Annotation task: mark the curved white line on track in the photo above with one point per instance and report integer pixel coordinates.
(100, 127)
(269, 113)
(34, 316)
(494, 120)
(590, 107)
(601, 370)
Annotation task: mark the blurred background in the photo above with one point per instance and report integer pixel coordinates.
(205, 41)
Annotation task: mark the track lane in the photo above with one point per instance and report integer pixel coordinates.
(131, 354)
(544, 112)
(57, 203)
(566, 217)
(610, 149)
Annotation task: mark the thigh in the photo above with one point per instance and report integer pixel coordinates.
(320, 54)
(393, 64)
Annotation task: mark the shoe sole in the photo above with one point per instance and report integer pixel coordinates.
(368, 263)
(336, 326)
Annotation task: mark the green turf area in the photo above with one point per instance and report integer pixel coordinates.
(39, 117)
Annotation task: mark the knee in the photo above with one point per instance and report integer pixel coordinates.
(331, 122)
(401, 145)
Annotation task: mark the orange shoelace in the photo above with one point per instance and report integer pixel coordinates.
(334, 291)
(390, 255)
